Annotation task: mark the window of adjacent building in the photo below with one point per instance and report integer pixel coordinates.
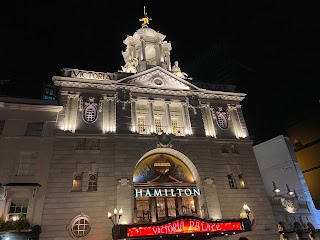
(242, 181)
(92, 184)
(81, 144)
(18, 209)
(158, 126)
(1, 126)
(27, 164)
(80, 226)
(232, 182)
(77, 183)
(95, 144)
(34, 129)
(141, 125)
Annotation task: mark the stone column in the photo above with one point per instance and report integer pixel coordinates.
(109, 119)
(208, 121)
(186, 118)
(143, 63)
(211, 200)
(125, 200)
(151, 115)
(232, 109)
(71, 112)
(133, 115)
(161, 58)
(168, 115)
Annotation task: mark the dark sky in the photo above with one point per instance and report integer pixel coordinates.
(271, 47)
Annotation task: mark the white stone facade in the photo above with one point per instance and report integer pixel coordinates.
(109, 123)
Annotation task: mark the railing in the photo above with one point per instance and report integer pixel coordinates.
(278, 201)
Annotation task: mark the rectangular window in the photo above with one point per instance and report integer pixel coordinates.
(95, 144)
(234, 148)
(34, 129)
(1, 126)
(242, 182)
(142, 209)
(81, 144)
(77, 182)
(27, 164)
(175, 127)
(224, 149)
(92, 184)
(141, 125)
(18, 209)
(157, 123)
(232, 182)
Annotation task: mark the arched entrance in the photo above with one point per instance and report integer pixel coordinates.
(164, 186)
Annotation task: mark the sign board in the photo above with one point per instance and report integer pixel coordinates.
(186, 225)
(76, 73)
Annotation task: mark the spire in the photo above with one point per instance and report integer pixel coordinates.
(145, 19)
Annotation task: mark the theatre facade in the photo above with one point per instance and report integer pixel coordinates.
(146, 153)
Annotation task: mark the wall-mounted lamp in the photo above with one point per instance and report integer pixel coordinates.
(275, 189)
(289, 192)
(115, 217)
(247, 210)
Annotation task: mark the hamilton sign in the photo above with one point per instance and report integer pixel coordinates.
(167, 192)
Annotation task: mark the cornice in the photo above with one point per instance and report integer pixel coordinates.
(30, 107)
(203, 93)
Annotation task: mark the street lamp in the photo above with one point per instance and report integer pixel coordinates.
(115, 217)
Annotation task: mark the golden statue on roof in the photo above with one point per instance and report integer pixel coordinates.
(145, 19)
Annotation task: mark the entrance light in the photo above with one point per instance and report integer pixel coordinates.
(115, 217)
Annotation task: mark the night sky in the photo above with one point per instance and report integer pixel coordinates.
(268, 49)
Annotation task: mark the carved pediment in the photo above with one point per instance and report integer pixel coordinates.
(159, 78)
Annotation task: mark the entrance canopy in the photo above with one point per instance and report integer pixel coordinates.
(182, 227)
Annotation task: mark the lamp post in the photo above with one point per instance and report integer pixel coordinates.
(115, 217)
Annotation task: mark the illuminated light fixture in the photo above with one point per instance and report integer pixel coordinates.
(275, 189)
(247, 210)
(290, 193)
(115, 217)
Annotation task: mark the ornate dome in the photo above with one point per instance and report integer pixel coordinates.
(146, 32)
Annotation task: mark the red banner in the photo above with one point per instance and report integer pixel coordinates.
(184, 226)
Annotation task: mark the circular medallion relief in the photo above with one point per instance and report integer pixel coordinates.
(158, 82)
(90, 113)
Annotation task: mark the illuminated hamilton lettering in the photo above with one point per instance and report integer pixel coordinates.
(171, 192)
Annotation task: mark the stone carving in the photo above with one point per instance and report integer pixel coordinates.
(131, 65)
(164, 140)
(177, 71)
